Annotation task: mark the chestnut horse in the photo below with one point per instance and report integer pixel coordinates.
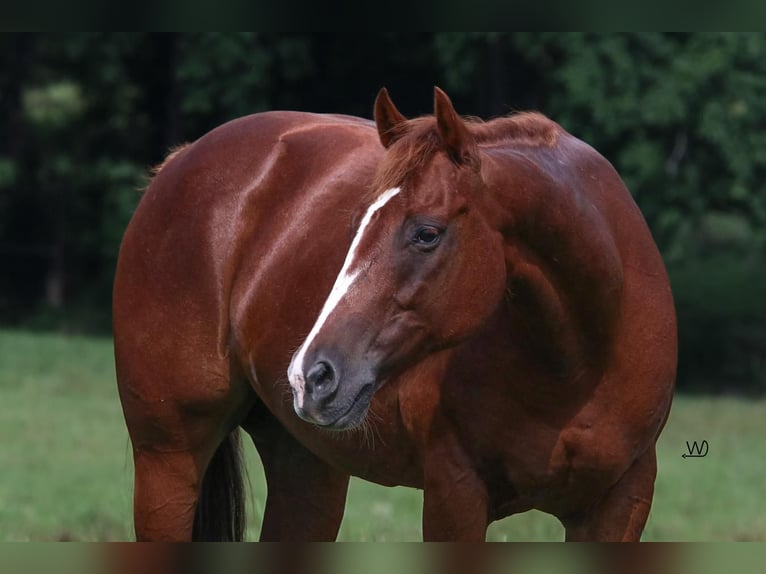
(479, 306)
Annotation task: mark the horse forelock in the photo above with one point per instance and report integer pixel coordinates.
(411, 152)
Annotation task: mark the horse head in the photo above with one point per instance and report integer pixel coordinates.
(424, 271)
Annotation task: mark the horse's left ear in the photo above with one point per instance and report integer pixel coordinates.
(387, 118)
(458, 141)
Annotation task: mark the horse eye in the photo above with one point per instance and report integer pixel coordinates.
(427, 235)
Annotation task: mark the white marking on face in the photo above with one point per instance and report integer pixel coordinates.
(343, 283)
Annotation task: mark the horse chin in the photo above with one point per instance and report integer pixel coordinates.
(350, 418)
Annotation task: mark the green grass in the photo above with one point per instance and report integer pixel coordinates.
(65, 468)
(64, 459)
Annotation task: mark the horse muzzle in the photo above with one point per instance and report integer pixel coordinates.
(329, 396)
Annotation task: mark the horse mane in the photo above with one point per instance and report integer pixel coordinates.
(420, 140)
(525, 128)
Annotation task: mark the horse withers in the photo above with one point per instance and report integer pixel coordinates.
(474, 309)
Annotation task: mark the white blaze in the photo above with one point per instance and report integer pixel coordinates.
(343, 283)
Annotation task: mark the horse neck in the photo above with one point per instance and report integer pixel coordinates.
(564, 269)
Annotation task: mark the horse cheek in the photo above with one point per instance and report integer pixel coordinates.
(489, 282)
(478, 290)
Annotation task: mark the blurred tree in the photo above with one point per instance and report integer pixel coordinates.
(75, 105)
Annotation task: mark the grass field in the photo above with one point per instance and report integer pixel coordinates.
(65, 466)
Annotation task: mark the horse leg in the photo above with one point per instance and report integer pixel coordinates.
(166, 491)
(306, 496)
(173, 445)
(621, 515)
(455, 499)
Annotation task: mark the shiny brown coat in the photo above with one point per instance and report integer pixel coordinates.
(527, 362)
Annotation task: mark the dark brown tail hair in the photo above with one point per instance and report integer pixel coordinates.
(220, 514)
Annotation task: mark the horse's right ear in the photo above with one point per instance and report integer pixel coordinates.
(387, 118)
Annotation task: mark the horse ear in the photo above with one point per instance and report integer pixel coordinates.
(453, 131)
(387, 118)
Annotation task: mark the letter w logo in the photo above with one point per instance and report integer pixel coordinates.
(695, 450)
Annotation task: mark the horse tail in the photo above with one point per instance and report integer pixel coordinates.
(220, 514)
(155, 170)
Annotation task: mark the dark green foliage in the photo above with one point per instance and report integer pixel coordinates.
(681, 116)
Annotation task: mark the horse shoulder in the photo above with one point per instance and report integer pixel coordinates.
(630, 291)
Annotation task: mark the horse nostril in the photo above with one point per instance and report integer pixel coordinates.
(319, 377)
